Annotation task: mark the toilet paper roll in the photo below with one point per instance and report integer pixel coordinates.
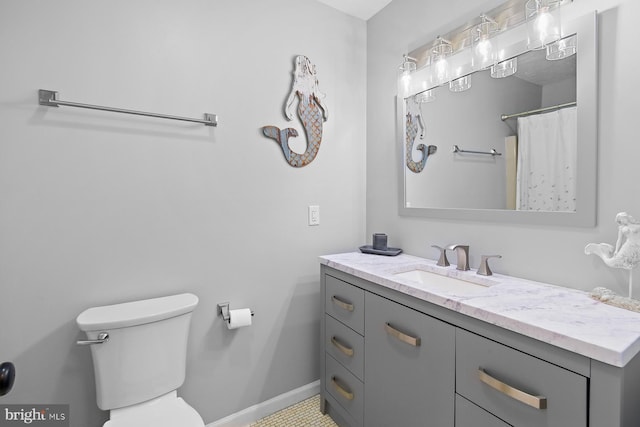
(239, 318)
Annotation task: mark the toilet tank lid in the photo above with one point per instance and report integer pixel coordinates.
(136, 312)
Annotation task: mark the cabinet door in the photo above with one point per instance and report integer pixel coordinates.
(409, 367)
(518, 388)
(470, 415)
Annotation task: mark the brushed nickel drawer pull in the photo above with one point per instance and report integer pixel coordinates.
(343, 348)
(414, 341)
(343, 392)
(538, 402)
(341, 303)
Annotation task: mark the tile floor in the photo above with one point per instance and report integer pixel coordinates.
(302, 414)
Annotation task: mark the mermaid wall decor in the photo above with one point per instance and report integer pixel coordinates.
(312, 112)
(626, 253)
(414, 122)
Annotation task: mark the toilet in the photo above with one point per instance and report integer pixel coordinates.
(139, 354)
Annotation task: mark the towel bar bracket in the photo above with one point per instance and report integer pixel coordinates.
(47, 97)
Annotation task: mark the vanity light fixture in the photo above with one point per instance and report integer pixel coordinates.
(460, 84)
(483, 50)
(543, 22)
(504, 68)
(408, 64)
(563, 48)
(442, 48)
(424, 97)
(407, 67)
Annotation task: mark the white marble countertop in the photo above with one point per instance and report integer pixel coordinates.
(564, 317)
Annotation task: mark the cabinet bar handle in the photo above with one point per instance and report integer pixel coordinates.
(414, 341)
(341, 303)
(538, 402)
(343, 348)
(343, 392)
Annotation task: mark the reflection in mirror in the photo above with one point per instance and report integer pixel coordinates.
(526, 175)
(516, 116)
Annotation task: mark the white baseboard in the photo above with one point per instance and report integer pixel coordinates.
(252, 414)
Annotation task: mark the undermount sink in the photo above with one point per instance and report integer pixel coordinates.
(435, 280)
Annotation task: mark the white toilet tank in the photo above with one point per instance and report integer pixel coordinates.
(145, 355)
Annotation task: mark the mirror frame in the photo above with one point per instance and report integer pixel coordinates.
(586, 173)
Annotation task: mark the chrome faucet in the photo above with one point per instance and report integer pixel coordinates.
(462, 251)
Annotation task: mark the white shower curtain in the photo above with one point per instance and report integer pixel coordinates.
(547, 151)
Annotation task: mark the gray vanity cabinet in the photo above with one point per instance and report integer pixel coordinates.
(409, 367)
(392, 360)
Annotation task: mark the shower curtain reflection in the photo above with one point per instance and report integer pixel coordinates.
(547, 151)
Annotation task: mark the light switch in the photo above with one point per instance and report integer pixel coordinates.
(314, 215)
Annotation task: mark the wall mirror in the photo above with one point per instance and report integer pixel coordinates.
(518, 149)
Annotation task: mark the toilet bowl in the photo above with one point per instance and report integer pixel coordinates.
(139, 358)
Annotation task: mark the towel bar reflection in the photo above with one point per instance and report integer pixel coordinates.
(493, 152)
(50, 98)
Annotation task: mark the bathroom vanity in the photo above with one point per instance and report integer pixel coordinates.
(407, 343)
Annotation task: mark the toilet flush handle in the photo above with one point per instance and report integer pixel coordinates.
(103, 337)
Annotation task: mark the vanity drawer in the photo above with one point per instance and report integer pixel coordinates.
(470, 415)
(518, 388)
(345, 302)
(345, 345)
(343, 386)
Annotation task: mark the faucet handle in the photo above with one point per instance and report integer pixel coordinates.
(484, 269)
(442, 261)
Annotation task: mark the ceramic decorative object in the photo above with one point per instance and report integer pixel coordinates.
(414, 123)
(312, 112)
(626, 253)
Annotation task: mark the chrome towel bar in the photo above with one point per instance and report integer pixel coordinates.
(493, 152)
(50, 98)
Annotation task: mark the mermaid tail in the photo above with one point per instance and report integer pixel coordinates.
(410, 135)
(311, 116)
(627, 257)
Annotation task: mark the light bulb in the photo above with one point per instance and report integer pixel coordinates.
(543, 22)
(442, 69)
(545, 26)
(406, 81)
(484, 53)
(407, 67)
(441, 49)
(483, 50)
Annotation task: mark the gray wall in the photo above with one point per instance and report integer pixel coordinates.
(552, 254)
(99, 208)
(559, 92)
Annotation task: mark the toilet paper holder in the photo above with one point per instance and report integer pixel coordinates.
(223, 310)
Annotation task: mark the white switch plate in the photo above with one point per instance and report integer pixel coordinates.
(314, 215)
